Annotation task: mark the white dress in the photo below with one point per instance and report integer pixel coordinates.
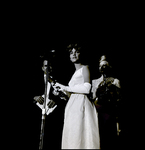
(80, 129)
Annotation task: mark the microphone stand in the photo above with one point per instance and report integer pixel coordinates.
(43, 111)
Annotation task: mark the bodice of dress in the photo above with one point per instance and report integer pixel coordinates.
(77, 78)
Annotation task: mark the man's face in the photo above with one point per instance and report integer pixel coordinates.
(44, 67)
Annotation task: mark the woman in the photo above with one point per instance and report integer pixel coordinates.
(80, 129)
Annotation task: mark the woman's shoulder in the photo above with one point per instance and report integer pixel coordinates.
(85, 69)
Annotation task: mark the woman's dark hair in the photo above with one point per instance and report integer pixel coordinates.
(77, 46)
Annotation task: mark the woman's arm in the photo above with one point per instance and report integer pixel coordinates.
(79, 88)
(86, 74)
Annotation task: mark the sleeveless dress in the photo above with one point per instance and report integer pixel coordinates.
(80, 130)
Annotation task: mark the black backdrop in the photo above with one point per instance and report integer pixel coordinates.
(30, 29)
(30, 43)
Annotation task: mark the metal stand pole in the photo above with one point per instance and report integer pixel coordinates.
(42, 132)
(43, 112)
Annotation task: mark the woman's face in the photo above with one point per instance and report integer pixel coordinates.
(103, 65)
(74, 55)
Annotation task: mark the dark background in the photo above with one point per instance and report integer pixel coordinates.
(30, 76)
(29, 35)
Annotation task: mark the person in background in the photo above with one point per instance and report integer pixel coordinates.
(106, 96)
(80, 130)
(40, 99)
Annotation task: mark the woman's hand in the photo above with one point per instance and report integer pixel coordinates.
(59, 86)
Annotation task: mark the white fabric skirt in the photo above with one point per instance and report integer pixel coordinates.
(80, 129)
